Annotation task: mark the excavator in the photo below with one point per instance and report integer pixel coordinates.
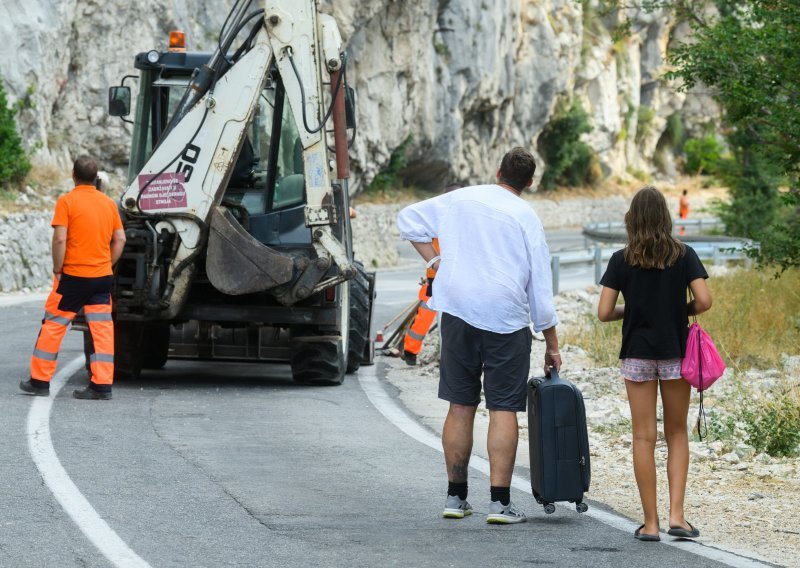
(236, 213)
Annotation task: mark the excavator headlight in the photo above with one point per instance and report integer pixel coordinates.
(177, 41)
(153, 56)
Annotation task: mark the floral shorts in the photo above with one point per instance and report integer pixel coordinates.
(642, 370)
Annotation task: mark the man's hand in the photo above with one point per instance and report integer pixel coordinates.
(551, 360)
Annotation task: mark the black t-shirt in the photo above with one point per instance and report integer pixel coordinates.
(655, 324)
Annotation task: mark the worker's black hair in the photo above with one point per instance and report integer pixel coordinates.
(85, 170)
(517, 168)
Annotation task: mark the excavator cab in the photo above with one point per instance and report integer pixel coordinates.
(238, 240)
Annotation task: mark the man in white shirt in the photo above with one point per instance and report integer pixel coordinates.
(493, 280)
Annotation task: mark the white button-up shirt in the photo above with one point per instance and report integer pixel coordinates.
(495, 269)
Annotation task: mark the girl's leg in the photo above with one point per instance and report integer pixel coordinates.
(642, 399)
(675, 396)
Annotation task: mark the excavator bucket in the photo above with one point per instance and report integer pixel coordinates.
(237, 263)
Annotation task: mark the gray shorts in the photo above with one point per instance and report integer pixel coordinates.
(504, 359)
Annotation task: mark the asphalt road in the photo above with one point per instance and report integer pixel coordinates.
(210, 465)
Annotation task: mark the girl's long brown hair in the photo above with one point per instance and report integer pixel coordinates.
(649, 227)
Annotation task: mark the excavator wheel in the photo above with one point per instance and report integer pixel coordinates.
(318, 360)
(155, 345)
(128, 342)
(359, 318)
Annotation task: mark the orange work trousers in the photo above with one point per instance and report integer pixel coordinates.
(66, 298)
(412, 343)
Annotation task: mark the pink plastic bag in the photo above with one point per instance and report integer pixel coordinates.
(702, 365)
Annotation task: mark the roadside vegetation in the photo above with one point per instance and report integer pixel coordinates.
(14, 163)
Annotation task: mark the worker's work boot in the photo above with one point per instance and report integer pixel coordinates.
(89, 393)
(32, 389)
(409, 358)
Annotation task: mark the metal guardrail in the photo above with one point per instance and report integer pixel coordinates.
(716, 249)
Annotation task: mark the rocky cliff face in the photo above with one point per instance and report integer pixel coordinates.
(459, 80)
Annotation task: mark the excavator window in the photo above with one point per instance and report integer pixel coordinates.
(276, 155)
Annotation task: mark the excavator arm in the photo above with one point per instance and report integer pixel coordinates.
(180, 189)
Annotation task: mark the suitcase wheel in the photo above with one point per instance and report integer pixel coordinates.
(581, 507)
(549, 508)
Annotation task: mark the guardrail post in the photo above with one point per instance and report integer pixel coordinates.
(555, 268)
(715, 256)
(598, 264)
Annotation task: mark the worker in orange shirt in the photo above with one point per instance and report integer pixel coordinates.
(683, 209)
(412, 342)
(88, 239)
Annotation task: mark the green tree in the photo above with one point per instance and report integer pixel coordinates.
(568, 160)
(14, 163)
(748, 54)
(746, 51)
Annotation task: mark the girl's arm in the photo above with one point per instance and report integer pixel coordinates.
(607, 309)
(702, 297)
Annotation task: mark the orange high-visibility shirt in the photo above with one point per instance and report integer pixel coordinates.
(91, 219)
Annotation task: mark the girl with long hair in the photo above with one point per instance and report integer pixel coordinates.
(653, 272)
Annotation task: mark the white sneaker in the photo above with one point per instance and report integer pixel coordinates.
(456, 508)
(504, 514)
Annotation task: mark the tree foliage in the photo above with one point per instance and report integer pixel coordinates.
(14, 163)
(746, 52)
(568, 160)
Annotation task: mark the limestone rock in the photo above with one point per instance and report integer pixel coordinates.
(462, 81)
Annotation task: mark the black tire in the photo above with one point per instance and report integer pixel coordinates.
(359, 318)
(318, 360)
(155, 345)
(128, 350)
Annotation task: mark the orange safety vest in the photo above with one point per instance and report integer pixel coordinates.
(683, 207)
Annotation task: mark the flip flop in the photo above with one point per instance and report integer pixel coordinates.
(681, 532)
(644, 536)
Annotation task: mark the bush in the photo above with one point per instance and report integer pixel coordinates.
(772, 423)
(14, 163)
(568, 160)
(703, 155)
(390, 176)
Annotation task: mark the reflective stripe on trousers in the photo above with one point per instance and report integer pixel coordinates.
(54, 325)
(425, 317)
(101, 362)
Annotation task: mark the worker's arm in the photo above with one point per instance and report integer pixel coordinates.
(59, 249)
(117, 244)
(607, 309)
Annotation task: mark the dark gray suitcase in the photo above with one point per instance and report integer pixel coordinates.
(559, 442)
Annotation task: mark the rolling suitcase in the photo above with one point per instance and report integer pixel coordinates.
(559, 442)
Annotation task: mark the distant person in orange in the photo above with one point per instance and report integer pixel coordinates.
(412, 342)
(683, 209)
(88, 239)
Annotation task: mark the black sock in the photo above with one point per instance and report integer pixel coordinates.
(502, 494)
(459, 489)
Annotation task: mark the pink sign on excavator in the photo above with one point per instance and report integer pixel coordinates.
(165, 192)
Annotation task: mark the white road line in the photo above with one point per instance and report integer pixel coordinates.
(386, 405)
(58, 481)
